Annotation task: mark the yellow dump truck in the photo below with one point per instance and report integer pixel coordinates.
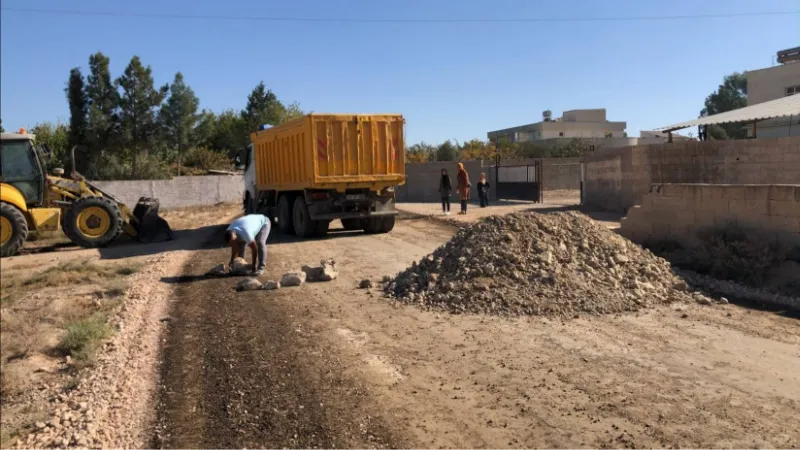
(307, 172)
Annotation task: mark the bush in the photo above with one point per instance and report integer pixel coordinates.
(728, 253)
(112, 167)
(205, 159)
(83, 337)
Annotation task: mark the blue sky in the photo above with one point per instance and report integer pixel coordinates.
(450, 80)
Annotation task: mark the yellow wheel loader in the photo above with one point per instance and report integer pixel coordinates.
(32, 201)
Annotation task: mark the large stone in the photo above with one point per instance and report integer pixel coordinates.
(271, 285)
(217, 271)
(250, 284)
(241, 267)
(293, 279)
(326, 271)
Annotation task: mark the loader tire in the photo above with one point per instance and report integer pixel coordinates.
(285, 215)
(352, 224)
(93, 222)
(13, 230)
(304, 227)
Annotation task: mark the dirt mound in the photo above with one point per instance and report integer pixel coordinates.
(558, 264)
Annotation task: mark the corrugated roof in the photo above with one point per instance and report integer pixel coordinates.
(782, 107)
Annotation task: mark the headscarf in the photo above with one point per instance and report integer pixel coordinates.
(460, 166)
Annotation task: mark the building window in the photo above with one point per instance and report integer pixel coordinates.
(561, 134)
(791, 90)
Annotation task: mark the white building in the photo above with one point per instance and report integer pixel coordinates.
(773, 83)
(589, 125)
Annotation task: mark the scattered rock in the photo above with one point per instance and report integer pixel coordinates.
(293, 279)
(325, 272)
(218, 271)
(365, 284)
(241, 267)
(723, 300)
(250, 284)
(40, 425)
(271, 285)
(561, 264)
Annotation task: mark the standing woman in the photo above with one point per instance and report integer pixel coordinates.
(483, 190)
(463, 187)
(445, 189)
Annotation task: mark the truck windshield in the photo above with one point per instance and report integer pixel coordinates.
(18, 168)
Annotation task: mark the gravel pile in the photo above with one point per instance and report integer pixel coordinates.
(561, 264)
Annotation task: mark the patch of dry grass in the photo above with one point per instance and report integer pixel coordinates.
(83, 337)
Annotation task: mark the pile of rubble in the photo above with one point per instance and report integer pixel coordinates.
(561, 264)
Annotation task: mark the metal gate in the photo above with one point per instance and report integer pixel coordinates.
(520, 182)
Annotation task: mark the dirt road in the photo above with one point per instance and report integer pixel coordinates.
(329, 365)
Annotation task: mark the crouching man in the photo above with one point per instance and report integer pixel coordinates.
(251, 231)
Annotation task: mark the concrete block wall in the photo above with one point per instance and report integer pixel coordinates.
(679, 211)
(179, 192)
(616, 179)
(422, 182)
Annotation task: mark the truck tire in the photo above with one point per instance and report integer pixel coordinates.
(321, 227)
(352, 224)
(249, 207)
(93, 222)
(13, 230)
(388, 224)
(304, 227)
(285, 215)
(373, 225)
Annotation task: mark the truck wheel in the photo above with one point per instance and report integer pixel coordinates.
(249, 208)
(93, 222)
(352, 224)
(388, 224)
(304, 227)
(13, 230)
(321, 227)
(373, 225)
(285, 215)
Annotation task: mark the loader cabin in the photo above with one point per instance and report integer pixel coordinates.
(21, 165)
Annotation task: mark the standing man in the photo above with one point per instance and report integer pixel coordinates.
(463, 187)
(251, 231)
(483, 190)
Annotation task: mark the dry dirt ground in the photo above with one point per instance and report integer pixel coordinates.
(330, 365)
(54, 287)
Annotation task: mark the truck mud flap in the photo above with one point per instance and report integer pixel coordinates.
(150, 227)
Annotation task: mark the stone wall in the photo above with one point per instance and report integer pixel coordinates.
(179, 192)
(616, 179)
(678, 211)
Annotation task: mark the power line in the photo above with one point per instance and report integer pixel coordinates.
(383, 20)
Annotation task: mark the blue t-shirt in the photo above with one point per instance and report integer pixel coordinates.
(247, 227)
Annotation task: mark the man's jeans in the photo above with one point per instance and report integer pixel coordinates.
(261, 244)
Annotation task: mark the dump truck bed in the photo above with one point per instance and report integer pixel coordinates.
(331, 151)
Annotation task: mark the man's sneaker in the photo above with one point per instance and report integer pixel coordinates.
(259, 272)
(447, 213)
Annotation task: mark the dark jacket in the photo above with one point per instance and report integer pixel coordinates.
(483, 187)
(445, 187)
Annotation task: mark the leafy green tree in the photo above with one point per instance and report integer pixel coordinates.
(263, 107)
(2, 130)
(229, 133)
(57, 137)
(730, 95)
(446, 152)
(103, 103)
(421, 152)
(179, 115)
(78, 110)
(138, 108)
(292, 112)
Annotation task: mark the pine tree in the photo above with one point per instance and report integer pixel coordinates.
(78, 109)
(263, 107)
(103, 103)
(138, 108)
(179, 115)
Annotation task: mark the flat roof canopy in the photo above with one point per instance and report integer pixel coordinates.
(782, 107)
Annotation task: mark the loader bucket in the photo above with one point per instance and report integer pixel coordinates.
(150, 227)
